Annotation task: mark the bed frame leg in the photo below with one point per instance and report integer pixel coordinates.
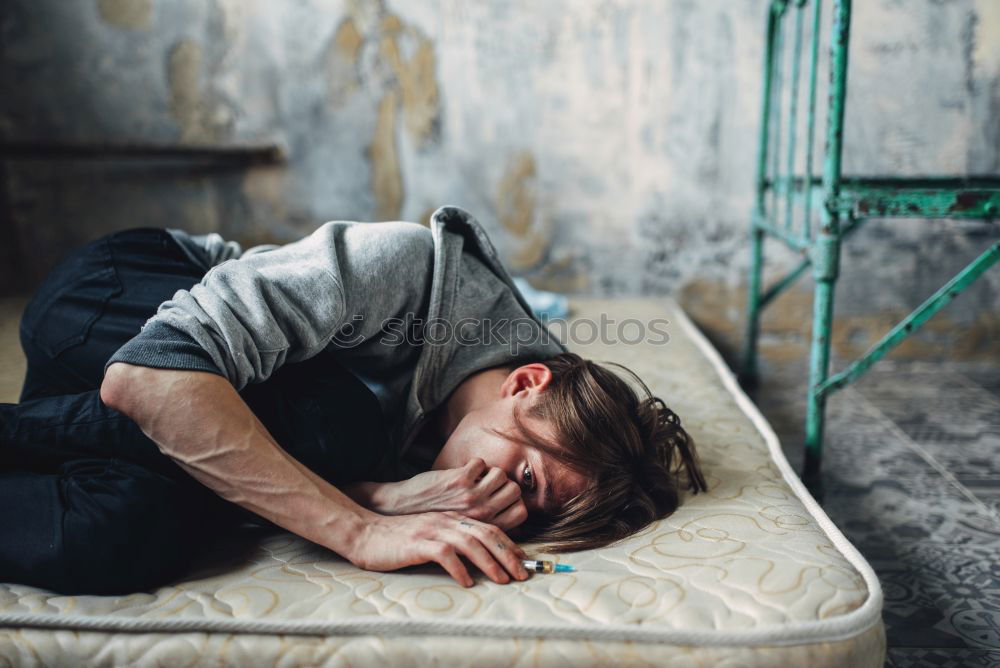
(825, 261)
(748, 374)
(816, 402)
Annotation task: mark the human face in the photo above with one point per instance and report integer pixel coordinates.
(546, 484)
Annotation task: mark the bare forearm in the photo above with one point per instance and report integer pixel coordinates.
(375, 496)
(200, 421)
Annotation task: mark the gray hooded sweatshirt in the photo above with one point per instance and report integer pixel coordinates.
(410, 311)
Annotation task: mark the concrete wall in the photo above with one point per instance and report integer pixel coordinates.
(607, 146)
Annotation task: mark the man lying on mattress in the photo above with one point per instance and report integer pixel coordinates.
(381, 389)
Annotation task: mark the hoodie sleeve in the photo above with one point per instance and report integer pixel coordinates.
(249, 316)
(208, 250)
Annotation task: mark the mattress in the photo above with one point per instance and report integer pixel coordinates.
(752, 573)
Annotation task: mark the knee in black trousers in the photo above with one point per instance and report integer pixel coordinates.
(93, 302)
(87, 502)
(102, 526)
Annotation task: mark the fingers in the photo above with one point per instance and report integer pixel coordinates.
(475, 551)
(474, 468)
(494, 479)
(505, 495)
(445, 555)
(445, 538)
(514, 515)
(491, 550)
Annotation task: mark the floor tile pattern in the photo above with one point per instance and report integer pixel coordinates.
(912, 477)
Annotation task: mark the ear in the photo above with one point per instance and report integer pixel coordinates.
(534, 377)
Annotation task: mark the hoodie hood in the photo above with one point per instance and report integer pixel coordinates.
(469, 284)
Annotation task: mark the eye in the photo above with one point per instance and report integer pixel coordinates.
(528, 477)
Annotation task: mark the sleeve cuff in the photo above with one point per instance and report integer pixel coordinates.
(161, 346)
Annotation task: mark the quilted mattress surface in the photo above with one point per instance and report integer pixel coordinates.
(751, 573)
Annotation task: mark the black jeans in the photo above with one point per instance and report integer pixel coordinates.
(88, 503)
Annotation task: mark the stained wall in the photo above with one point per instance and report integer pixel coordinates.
(608, 147)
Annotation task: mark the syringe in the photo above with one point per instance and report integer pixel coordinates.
(541, 566)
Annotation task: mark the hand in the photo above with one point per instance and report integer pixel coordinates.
(389, 543)
(474, 490)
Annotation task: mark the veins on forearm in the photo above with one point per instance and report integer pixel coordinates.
(372, 495)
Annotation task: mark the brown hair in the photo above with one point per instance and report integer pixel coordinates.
(633, 449)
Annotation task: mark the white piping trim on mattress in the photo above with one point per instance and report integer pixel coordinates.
(843, 627)
(379, 626)
(868, 613)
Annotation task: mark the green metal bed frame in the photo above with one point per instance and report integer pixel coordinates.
(842, 203)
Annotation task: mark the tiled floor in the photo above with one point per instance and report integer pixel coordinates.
(912, 476)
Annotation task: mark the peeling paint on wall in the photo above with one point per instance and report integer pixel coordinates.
(565, 273)
(515, 206)
(609, 149)
(387, 183)
(986, 38)
(374, 50)
(184, 67)
(416, 77)
(198, 120)
(127, 14)
(342, 63)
